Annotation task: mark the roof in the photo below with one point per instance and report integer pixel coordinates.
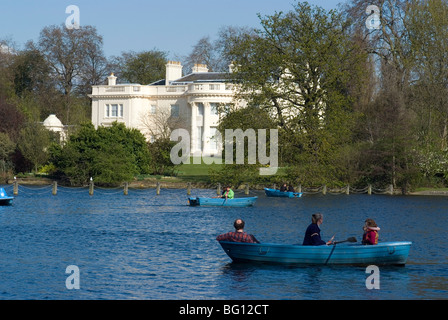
(205, 76)
(52, 121)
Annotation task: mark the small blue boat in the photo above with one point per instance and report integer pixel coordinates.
(4, 199)
(222, 202)
(386, 253)
(285, 194)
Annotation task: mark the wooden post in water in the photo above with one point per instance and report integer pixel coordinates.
(299, 188)
(218, 189)
(91, 187)
(246, 191)
(274, 186)
(189, 188)
(391, 189)
(126, 189)
(15, 187)
(158, 188)
(55, 188)
(369, 189)
(347, 189)
(324, 189)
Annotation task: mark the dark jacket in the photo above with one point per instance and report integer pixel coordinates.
(312, 236)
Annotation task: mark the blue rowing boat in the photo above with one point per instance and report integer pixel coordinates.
(4, 199)
(222, 202)
(386, 253)
(285, 194)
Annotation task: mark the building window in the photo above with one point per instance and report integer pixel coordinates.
(114, 111)
(174, 111)
(153, 109)
(200, 109)
(199, 138)
(213, 139)
(214, 109)
(215, 87)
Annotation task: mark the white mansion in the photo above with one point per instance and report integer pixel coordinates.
(189, 102)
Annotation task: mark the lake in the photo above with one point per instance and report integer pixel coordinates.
(145, 246)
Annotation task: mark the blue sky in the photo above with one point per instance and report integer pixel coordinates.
(173, 26)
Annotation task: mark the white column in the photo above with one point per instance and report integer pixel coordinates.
(193, 127)
(206, 127)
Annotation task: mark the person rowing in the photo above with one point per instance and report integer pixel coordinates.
(312, 233)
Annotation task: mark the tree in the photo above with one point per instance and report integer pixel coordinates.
(75, 58)
(109, 155)
(11, 119)
(7, 148)
(299, 67)
(160, 123)
(161, 163)
(428, 27)
(203, 52)
(140, 67)
(33, 143)
(249, 118)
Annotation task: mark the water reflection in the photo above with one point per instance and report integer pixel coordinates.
(144, 246)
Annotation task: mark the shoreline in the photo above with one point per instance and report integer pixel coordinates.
(153, 183)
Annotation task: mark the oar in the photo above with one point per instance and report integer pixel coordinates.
(351, 239)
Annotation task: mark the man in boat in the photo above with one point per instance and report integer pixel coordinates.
(228, 193)
(238, 235)
(312, 234)
(284, 188)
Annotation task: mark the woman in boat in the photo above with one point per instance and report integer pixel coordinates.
(312, 233)
(370, 236)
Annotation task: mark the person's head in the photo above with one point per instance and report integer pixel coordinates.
(239, 224)
(317, 218)
(370, 223)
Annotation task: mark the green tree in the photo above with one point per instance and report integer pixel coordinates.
(161, 163)
(7, 147)
(109, 155)
(140, 67)
(300, 66)
(33, 143)
(249, 118)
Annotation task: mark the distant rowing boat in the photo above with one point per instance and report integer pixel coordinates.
(4, 199)
(284, 194)
(222, 202)
(386, 253)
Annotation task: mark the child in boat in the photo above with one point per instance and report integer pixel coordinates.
(370, 236)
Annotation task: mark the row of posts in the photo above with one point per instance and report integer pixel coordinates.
(390, 190)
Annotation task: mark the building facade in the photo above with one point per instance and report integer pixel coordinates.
(190, 102)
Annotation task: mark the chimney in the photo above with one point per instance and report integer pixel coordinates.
(200, 68)
(173, 71)
(112, 80)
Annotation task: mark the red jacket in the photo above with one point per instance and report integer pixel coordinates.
(370, 237)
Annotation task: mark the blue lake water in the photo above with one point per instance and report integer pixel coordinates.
(148, 246)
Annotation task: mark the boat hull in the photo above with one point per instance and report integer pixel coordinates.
(387, 253)
(282, 194)
(4, 199)
(221, 202)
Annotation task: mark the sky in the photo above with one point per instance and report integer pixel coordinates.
(172, 26)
